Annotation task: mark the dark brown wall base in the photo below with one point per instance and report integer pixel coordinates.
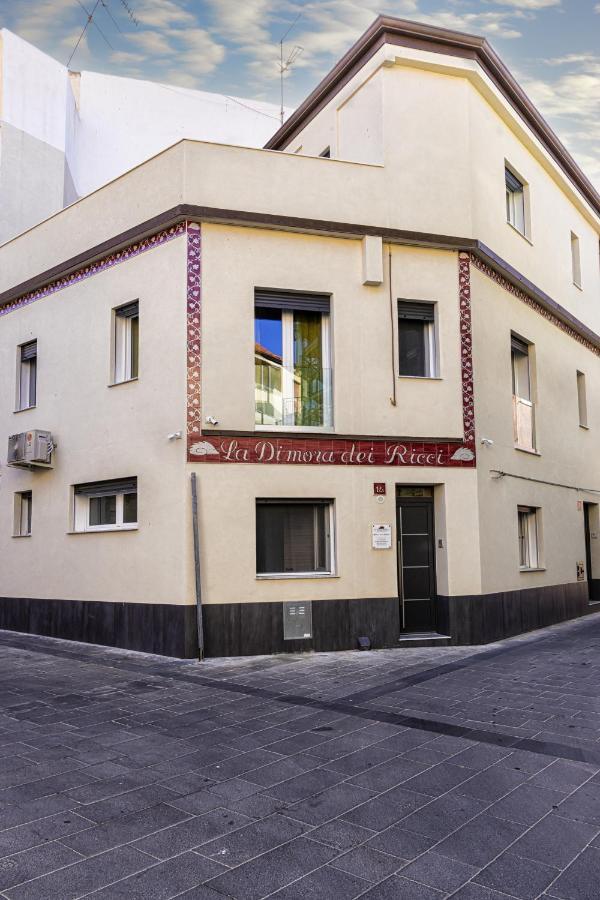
(245, 629)
(148, 627)
(480, 619)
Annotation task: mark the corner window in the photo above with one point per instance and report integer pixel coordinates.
(126, 342)
(105, 505)
(22, 518)
(294, 537)
(582, 400)
(416, 339)
(515, 201)
(528, 538)
(523, 407)
(575, 260)
(292, 360)
(27, 375)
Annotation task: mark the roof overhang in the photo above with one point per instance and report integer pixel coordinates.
(402, 33)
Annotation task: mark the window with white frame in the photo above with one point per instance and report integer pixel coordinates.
(416, 339)
(292, 359)
(523, 406)
(515, 200)
(294, 537)
(105, 505)
(528, 538)
(27, 375)
(582, 400)
(575, 260)
(126, 321)
(22, 519)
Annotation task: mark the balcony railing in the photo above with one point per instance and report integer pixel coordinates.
(523, 423)
(301, 396)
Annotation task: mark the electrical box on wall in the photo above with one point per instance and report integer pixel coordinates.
(297, 621)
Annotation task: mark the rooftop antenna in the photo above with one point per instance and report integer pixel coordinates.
(287, 65)
(91, 21)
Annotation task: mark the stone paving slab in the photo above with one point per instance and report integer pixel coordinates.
(413, 774)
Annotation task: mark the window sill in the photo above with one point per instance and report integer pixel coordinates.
(295, 429)
(21, 535)
(25, 409)
(109, 530)
(524, 570)
(284, 576)
(527, 450)
(585, 427)
(521, 233)
(419, 378)
(578, 286)
(127, 381)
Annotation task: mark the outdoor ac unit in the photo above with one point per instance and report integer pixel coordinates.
(30, 448)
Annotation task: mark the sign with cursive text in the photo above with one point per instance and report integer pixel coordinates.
(329, 452)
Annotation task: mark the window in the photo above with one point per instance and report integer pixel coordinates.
(22, 521)
(575, 260)
(326, 153)
(27, 381)
(515, 201)
(126, 342)
(416, 339)
(582, 400)
(523, 408)
(293, 537)
(528, 538)
(105, 505)
(292, 360)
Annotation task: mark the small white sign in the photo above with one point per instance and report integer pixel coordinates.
(381, 537)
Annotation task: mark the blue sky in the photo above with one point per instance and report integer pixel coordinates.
(232, 46)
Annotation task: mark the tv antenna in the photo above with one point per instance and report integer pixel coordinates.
(91, 21)
(291, 59)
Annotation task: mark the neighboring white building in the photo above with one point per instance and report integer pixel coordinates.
(64, 134)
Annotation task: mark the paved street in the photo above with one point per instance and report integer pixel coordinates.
(394, 775)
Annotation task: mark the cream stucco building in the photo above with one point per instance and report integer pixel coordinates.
(374, 347)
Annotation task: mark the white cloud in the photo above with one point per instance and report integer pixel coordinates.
(529, 4)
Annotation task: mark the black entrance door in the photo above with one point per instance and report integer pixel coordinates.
(416, 563)
(588, 549)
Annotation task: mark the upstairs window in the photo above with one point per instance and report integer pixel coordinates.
(292, 359)
(515, 201)
(528, 538)
(22, 520)
(523, 408)
(416, 339)
(293, 537)
(575, 260)
(582, 400)
(106, 505)
(27, 381)
(126, 342)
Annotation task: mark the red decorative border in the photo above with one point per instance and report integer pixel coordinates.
(533, 304)
(194, 334)
(107, 262)
(324, 449)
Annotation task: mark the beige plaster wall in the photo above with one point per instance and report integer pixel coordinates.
(227, 504)
(567, 453)
(235, 260)
(102, 432)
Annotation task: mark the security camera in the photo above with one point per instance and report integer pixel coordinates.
(210, 420)
(174, 436)
(488, 442)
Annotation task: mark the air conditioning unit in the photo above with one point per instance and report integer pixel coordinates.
(30, 448)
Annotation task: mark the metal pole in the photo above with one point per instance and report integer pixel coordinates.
(197, 567)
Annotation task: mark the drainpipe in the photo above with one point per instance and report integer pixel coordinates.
(197, 567)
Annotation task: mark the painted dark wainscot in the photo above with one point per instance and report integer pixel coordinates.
(165, 629)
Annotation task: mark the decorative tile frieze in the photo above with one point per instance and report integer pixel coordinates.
(106, 262)
(532, 303)
(194, 334)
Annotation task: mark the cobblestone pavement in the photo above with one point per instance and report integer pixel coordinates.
(421, 774)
